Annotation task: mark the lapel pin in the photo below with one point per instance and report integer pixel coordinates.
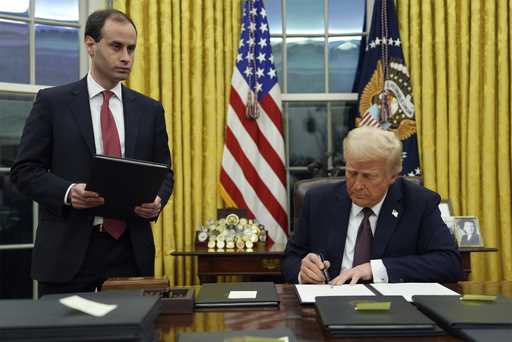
(394, 213)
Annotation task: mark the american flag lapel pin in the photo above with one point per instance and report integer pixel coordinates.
(394, 213)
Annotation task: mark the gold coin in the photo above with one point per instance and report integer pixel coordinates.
(220, 244)
(232, 219)
(230, 244)
(211, 244)
(248, 244)
(240, 244)
(254, 238)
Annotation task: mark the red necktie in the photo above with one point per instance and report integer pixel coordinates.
(363, 248)
(111, 147)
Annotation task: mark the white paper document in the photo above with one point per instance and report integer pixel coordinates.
(407, 290)
(87, 306)
(308, 292)
(242, 294)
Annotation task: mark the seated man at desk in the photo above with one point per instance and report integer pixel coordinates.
(376, 226)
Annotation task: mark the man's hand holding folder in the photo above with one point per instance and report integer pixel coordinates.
(80, 198)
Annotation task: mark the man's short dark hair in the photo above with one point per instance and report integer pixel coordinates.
(97, 19)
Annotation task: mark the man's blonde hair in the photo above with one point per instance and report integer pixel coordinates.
(371, 143)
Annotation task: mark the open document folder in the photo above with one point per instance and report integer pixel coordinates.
(308, 292)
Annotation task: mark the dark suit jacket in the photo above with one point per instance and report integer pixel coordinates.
(56, 150)
(414, 246)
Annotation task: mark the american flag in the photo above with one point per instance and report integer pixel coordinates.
(253, 172)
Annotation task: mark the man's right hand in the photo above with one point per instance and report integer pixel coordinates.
(80, 198)
(311, 269)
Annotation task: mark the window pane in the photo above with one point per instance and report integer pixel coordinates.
(274, 16)
(277, 52)
(346, 16)
(15, 7)
(304, 16)
(15, 274)
(342, 121)
(14, 52)
(307, 132)
(65, 10)
(14, 110)
(306, 65)
(15, 214)
(57, 54)
(343, 56)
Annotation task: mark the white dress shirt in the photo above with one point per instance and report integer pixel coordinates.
(380, 274)
(116, 107)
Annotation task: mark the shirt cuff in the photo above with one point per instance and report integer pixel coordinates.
(66, 195)
(379, 271)
(298, 278)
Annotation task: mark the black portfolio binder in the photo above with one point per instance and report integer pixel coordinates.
(217, 295)
(49, 320)
(453, 313)
(486, 335)
(124, 183)
(221, 336)
(339, 317)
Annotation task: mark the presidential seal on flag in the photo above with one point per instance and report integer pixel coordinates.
(388, 104)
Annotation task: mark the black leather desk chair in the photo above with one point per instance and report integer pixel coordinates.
(301, 187)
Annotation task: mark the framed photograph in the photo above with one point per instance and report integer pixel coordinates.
(445, 207)
(466, 230)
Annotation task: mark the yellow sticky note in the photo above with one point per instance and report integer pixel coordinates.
(373, 306)
(479, 298)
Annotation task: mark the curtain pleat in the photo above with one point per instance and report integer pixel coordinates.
(459, 56)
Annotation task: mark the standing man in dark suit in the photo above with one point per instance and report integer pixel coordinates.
(74, 250)
(375, 227)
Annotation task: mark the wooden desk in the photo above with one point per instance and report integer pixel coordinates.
(301, 319)
(264, 263)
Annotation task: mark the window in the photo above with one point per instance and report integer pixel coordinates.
(39, 41)
(316, 49)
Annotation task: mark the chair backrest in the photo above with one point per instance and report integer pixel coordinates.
(301, 187)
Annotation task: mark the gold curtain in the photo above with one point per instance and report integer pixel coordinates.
(184, 58)
(459, 57)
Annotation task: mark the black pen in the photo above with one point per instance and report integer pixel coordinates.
(324, 270)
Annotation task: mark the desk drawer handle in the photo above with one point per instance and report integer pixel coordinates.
(271, 264)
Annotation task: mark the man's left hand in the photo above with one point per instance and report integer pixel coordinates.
(360, 272)
(149, 210)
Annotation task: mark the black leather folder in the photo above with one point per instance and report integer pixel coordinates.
(340, 318)
(49, 320)
(124, 183)
(486, 335)
(222, 336)
(217, 295)
(453, 313)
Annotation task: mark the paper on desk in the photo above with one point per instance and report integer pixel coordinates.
(242, 294)
(87, 306)
(308, 292)
(407, 290)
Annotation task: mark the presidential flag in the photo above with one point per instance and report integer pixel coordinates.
(384, 85)
(253, 172)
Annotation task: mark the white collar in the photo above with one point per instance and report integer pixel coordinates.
(376, 208)
(94, 88)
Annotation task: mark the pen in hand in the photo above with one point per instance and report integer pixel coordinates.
(324, 270)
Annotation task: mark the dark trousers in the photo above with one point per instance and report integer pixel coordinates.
(106, 257)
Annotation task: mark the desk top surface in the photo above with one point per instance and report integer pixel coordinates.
(275, 249)
(301, 319)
